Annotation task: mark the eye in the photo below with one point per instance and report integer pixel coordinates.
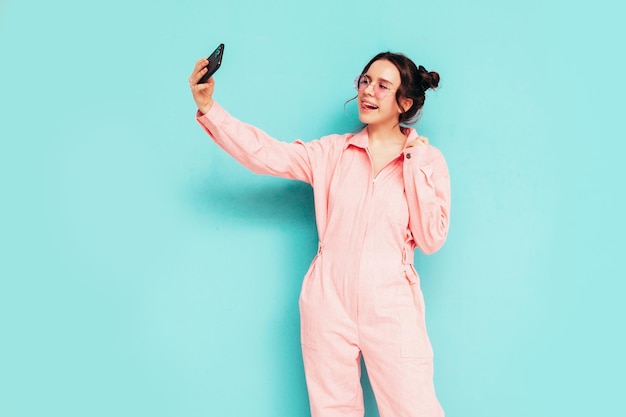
(383, 86)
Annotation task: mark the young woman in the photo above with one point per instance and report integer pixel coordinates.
(378, 194)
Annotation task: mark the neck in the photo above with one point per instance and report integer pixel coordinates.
(386, 133)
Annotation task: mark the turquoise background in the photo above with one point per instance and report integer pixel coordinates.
(144, 273)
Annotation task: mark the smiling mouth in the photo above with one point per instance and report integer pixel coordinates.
(368, 106)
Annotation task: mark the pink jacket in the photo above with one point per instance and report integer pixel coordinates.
(426, 178)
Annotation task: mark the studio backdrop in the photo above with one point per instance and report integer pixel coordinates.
(143, 272)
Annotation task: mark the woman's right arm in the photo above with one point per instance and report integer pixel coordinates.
(249, 145)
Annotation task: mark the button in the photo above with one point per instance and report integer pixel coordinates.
(408, 156)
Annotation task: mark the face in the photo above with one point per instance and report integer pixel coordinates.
(377, 94)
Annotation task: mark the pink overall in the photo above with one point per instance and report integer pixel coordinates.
(361, 295)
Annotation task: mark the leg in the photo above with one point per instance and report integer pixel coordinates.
(398, 356)
(330, 353)
(404, 387)
(333, 381)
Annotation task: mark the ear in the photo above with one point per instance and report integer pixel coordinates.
(405, 104)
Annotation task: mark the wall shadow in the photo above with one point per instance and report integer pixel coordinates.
(281, 202)
(278, 205)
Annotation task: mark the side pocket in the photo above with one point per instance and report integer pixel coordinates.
(414, 338)
(411, 274)
(308, 308)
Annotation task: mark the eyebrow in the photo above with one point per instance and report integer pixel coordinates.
(379, 79)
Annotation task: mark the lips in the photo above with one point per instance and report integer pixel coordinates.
(366, 105)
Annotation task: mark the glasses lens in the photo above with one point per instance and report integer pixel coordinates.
(361, 82)
(380, 92)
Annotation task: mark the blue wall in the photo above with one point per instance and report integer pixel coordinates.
(143, 272)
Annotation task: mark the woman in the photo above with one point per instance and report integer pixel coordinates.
(378, 194)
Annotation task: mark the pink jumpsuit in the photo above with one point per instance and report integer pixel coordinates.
(361, 295)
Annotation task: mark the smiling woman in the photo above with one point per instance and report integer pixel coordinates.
(379, 194)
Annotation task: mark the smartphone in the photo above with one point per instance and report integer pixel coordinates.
(215, 60)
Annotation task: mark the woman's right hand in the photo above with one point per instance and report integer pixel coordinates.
(202, 93)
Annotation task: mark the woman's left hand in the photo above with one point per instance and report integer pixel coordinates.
(420, 140)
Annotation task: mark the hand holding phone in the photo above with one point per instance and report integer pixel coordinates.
(215, 61)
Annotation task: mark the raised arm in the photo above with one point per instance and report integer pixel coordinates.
(249, 145)
(427, 187)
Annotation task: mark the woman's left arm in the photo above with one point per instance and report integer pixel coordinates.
(427, 187)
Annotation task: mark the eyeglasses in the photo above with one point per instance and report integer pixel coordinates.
(381, 89)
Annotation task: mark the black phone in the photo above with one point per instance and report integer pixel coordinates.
(215, 61)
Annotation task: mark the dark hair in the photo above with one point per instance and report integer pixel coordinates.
(414, 81)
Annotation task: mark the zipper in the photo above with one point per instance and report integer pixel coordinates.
(372, 182)
(375, 177)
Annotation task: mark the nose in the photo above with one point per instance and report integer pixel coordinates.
(369, 89)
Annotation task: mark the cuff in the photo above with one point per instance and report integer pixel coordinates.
(214, 116)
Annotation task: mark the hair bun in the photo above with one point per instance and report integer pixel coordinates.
(428, 79)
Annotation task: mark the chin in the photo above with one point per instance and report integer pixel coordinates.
(365, 118)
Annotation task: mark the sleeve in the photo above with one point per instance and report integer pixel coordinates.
(259, 152)
(427, 187)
